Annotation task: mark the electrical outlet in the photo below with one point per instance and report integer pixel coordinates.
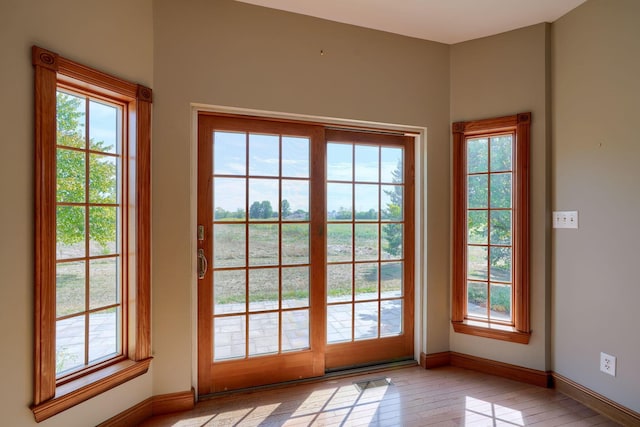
(608, 364)
(565, 219)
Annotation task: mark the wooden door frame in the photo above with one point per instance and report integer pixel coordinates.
(257, 370)
(420, 220)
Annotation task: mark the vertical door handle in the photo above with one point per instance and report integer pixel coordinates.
(203, 265)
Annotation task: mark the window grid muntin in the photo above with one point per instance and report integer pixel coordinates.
(247, 268)
(380, 222)
(120, 238)
(489, 281)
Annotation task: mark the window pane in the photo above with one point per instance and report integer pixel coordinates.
(391, 279)
(477, 227)
(69, 343)
(104, 334)
(501, 227)
(501, 150)
(501, 190)
(103, 127)
(392, 202)
(339, 242)
(263, 199)
(366, 276)
(229, 245)
(295, 157)
(339, 202)
(263, 244)
(366, 242)
(229, 293)
(391, 317)
(295, 330)
(477, 262)
(392, 238)
(477, 299)
(339, 323)
(229, 153)
(103, 230)
(103, 179)
(70, 288)
(391, 165)
(229, 337)
(295, 287)
(477, 155)
(263, 289)
(70, 234)
(500, 302)
(295, 200)
(366, 163)
(366, 202)
(263, 333)
(229, 199)
(104, 279)
(71, 119)
(366, 320)
(501, 264)
(295, 243)
(70, 176)
(339, 277)
(264, 155)
(339, 162)
(477, 186)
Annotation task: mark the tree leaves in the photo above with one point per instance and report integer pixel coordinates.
(72, 177)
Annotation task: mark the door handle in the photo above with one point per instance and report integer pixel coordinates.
(203, 265)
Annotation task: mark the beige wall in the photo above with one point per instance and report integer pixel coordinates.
(596, 147)
(96, 33)
(228, 53)
(498, 76)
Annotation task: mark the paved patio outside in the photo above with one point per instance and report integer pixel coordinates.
(230, 331)
(70, 339)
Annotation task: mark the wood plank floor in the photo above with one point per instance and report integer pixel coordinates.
(446, 396)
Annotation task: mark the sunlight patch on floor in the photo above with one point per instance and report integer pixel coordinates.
(479, 413)
(338, 405)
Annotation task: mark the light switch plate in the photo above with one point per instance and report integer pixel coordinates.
(565, 219)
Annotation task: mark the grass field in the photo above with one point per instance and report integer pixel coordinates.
(342, 247)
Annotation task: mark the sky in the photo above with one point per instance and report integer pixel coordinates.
(103, 121)
(230, 152)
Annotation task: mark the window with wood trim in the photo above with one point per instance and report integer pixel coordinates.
(92, 226)
(491, 228)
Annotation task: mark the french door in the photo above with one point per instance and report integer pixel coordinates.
(305, 250)
(369, 249)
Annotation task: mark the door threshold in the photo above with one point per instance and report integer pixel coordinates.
(331, 374)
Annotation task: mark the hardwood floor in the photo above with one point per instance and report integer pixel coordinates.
(446, 396)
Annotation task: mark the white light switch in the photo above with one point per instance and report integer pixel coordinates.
(565, 219)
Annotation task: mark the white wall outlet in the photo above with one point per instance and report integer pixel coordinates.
(565, 219)
(608, 364)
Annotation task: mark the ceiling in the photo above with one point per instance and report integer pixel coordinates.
(445, 21)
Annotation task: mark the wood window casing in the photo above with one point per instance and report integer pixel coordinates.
(518, 330)
(53, 395)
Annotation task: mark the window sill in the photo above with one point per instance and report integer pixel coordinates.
(488, 330)
(88, 386)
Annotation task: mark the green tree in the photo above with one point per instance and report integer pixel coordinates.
(261, 210)
(267, 210)
(493, 191)
(71, 180)
(370, 214)
(286, 208)
(393, 212)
